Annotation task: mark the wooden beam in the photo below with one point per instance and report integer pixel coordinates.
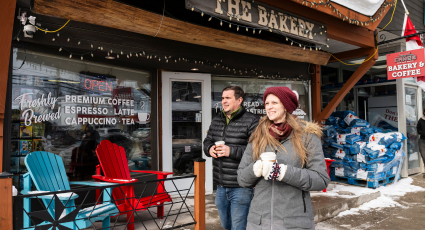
(7, 15)
(351, 54)
(316, 99)
(6, 202)
(337, 29)
(113, 14)
(348, 12)
(357, 75)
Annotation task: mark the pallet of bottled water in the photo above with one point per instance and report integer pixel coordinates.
(364, 155)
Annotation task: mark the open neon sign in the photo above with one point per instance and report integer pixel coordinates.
(98, 85)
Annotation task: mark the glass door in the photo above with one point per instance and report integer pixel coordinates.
(186, 100)
(186, 128)
(411, 114)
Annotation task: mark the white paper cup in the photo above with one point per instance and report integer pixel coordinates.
(268, 156)
(220, 143)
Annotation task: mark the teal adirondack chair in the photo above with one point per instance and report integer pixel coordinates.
(47, 171)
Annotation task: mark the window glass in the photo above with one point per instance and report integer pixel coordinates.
(67, 106)
(254, 90)
(329, 76)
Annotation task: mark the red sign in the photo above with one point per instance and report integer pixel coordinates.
(406, 64)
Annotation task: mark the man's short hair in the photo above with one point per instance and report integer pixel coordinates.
(238, 91)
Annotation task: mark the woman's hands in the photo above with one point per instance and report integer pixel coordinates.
(269, 170)
(258, 168)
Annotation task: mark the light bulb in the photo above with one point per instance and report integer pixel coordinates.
(81, 58)
(68, 40)
(60, 49)
(70, 56)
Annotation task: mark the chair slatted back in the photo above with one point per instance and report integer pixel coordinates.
(114, 165)
(47, 171)
(48, 174)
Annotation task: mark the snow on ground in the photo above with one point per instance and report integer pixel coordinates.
(388, 196)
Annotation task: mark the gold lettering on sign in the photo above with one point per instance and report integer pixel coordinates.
(231, 7)
(294, 28)
(218, 10)
(262, 16)
(246, 16)
(282, 21)
(302, 28)
(273, 22)
(310, 29)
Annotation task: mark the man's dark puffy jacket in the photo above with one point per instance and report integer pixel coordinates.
(236, 135)
(421, 128)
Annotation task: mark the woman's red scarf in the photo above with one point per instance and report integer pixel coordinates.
(280, 131)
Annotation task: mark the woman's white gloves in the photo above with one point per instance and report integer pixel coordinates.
(258, 168)
(269, 170)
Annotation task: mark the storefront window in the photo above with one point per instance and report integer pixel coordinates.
(329, 75)
(254, 90)
(67, 106)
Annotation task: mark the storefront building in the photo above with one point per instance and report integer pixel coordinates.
(135, 75)
(394, 105)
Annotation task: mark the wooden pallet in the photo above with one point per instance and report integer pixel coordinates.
(370, 183)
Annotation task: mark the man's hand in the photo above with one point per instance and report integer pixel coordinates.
(222, 150)
(213, 152)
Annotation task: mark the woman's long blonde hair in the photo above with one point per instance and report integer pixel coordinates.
(261, 138)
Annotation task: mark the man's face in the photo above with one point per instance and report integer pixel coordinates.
(229, 102)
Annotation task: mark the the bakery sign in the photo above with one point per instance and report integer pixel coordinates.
(250, 15)
(406, 64)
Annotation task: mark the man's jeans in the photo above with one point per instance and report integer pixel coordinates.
(233, 206)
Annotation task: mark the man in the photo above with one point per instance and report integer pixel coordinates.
(233, 126)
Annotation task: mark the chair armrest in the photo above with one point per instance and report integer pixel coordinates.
(61, 196)
(112, 180)
(153, 172)
(91, 183)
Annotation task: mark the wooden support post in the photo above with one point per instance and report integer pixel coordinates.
(6, 201)
(363, 68)
(316, 99)
(200, 194)
(7, 14)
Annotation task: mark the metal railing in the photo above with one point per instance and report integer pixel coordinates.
(50, 209)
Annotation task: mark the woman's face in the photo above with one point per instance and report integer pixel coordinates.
(274, 108)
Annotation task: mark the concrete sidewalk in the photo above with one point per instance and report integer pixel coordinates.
(325, 205)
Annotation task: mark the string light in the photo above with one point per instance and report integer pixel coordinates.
(149, 56)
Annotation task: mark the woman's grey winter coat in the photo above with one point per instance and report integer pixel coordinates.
(287, 203)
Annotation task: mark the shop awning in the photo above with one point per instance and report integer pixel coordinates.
(365, 7)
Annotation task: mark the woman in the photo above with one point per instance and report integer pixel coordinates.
(420, 127)
(281, 198)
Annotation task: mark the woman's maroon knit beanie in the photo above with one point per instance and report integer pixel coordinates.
(286, 96)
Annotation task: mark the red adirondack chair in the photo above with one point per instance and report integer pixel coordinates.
(114, 164)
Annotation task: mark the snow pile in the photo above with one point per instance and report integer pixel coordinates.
(389, 195)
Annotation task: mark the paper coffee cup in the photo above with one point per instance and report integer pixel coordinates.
(220, 143)
(268, 156)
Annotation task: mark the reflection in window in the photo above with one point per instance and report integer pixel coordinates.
(67, 107)
(254, 90)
